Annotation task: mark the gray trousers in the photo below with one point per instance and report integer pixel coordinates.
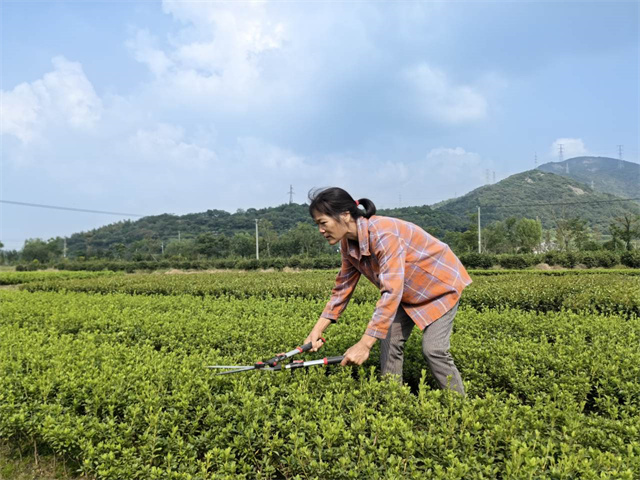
(435, 349)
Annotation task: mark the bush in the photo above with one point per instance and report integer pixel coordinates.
(247, 264)
(327, 262)
(306, 263)
(278, 263)
(564, 259)
(516, 261)
(588, 259)
(477, 260)
(294, 262)
(631, 259)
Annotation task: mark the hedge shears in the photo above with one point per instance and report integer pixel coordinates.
(273, 364)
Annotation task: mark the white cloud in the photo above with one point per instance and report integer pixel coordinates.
(571, 147)
(215, 59)
(263, 155)
(166, 145)
(63, 96)
(439, 99)
(145, 51)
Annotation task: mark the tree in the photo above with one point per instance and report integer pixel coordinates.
(496, 239)
(184, 249)
(307, 239)
(118, 250)
(268, 236)
(36, 249)
(579, 231)
(512, 236)
(211, 245)
(528, 233)
(626, 228)
(243, 245)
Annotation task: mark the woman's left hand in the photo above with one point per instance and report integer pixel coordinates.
(356, 355)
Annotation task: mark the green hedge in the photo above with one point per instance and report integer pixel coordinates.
(15, 278)
(116, 383)
(596, 259)
(599, 292)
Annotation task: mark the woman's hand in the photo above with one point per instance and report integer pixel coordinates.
(359, 353)
(316, 333)
(314, 338)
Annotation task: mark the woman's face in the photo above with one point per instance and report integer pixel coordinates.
(333, 230)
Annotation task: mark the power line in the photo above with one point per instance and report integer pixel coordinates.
(54, 207)
(559, 203)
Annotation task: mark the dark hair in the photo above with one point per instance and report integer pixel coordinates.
(334, 201)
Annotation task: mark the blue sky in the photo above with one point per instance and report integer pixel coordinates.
(153, 107)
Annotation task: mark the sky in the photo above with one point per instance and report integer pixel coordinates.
(149, 107)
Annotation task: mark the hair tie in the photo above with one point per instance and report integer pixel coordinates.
(357, 203)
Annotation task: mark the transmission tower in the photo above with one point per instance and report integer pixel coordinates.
(535, 159)
(290, 194)
(560, 152)
(619, 156)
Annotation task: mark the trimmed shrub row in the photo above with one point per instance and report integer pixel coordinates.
(307, 263)
(599, 259)
(599, 292)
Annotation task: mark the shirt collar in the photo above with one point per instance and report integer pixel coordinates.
(363, 240)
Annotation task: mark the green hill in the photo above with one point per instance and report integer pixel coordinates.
(603, 174)
(283, 218)
(518, 195)
(524, 195)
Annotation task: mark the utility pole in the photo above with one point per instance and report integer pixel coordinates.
(479, 234)
(162, 247)
(178, 235)
(64, 249)
(290, 194)
(257, 250)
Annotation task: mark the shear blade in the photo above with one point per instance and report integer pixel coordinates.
(236, 371)
(229, 366)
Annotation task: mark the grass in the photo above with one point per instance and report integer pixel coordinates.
(25, 465)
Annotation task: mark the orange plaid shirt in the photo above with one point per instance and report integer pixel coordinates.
(410, 267)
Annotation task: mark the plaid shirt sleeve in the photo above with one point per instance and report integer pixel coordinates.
(391, 254)
(345, 285)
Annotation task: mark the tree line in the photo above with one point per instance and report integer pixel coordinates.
(511, 236)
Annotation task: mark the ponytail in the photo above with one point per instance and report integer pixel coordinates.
(335, 201)
(368, 207)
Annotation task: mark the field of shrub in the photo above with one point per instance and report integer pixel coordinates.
(108, 373)
(581, 259)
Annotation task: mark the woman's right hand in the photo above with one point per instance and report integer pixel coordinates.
(315, 337)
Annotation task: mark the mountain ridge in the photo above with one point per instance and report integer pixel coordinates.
(604, 174)
(520, 195)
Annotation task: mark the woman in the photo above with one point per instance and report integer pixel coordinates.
(420, 281)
